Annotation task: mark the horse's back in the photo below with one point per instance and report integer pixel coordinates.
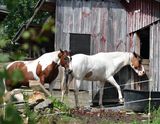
(84, 62)
(98, 58)
(100, 64)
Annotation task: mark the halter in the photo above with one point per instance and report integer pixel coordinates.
(64, 58)
(68, 71)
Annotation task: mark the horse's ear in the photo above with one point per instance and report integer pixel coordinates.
(134, 53)
(61, 50)
(70, 52)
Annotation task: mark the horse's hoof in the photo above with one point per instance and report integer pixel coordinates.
(101, 106)
(121, 101)
(77, 107)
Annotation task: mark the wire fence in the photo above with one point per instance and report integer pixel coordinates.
(149, 99)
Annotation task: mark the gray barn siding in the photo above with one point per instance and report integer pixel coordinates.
(105, 21)
(155, 56)
(142, 13)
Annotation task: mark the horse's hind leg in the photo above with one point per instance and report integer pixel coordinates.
(114, 83)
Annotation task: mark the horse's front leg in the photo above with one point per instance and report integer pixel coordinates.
(78, 82)
(51, 86)
(114, 83)
(62, 77)
(66, 80)
(63, 89)
(101, 94)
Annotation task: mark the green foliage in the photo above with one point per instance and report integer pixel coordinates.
(12, 116)
(3, 38)
(18, 55)
(2, 88)
(20, 12)
(10, 3)
(26, 35)
(156, 116)
(4, 57)
(46, 116)
(32, 116)
(59, 105)
(16, 76)
(3, 75)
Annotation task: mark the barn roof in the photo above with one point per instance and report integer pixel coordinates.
(3, 12)
(157, 0)
(132, 0)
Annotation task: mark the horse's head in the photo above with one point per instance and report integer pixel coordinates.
(65, 58)
(136, 64)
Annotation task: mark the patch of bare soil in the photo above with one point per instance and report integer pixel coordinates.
(94, 116)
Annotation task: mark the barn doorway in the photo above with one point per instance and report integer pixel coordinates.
(143, 48)
(80, 43)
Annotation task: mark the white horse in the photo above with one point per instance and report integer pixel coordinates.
(100, 67)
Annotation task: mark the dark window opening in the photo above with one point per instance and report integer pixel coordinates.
(80, 43)
(144, 41)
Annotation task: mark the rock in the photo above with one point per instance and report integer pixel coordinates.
(15, 95)
(42, 105)
(19, 97)
(37, 96)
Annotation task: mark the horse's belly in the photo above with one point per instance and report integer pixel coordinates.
(94, 77)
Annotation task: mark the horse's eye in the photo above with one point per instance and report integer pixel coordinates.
(66, 58)
(136, 67)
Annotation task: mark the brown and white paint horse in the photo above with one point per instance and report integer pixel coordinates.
(100, 67)
(44, 68)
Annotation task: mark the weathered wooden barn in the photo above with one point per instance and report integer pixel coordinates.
(143, 18)
(92, 26)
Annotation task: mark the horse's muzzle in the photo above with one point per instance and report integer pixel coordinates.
(68, 71)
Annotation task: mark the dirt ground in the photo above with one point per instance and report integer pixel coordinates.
(70, 100)
(95, 115)
(89, 115)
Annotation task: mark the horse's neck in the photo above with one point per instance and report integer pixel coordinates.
(52, 56)
(122, 60)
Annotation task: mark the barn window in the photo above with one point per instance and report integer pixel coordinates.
(144, 39)
(80, 43)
